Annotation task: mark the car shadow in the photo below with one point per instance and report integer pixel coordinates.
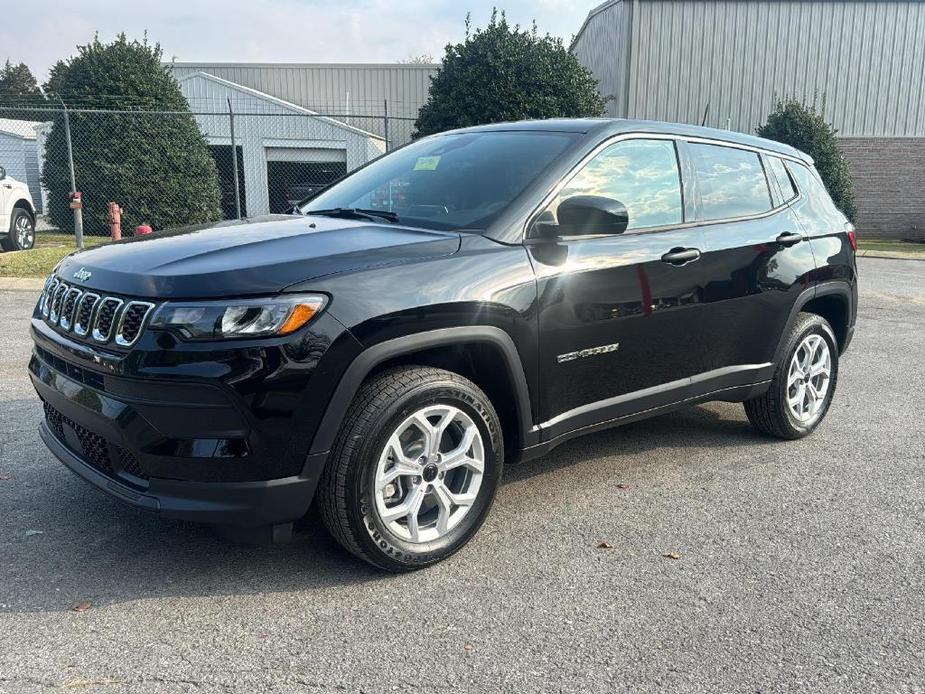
(63, 541)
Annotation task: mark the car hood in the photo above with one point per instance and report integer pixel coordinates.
(247, 257)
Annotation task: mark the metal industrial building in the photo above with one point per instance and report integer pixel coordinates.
(280, 146)
(353, 92)
(861, 62)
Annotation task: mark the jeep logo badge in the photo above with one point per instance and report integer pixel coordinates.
(83, 274)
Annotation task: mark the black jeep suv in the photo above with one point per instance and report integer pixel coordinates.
(474, 298)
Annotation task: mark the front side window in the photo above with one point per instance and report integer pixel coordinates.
(462, 181)
(642, 174)
(731, 181)
(779, 171)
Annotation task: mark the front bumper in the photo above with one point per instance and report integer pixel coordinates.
(200, 434)
(243, 504)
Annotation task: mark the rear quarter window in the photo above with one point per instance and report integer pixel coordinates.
(784, 182)
(731, 181)
(811, 186)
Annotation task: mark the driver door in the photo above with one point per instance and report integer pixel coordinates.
(618, 313)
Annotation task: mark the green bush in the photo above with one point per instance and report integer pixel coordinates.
(156, 166)
(501, 73)
(801, 126)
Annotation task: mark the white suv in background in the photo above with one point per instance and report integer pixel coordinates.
(17, 214)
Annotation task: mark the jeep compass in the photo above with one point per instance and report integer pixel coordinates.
(468, 301)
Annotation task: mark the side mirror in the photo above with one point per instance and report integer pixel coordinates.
(592, 214)
(2, 173)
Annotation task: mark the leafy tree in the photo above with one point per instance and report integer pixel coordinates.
(157, 166)
(801, 126)
(18, 88)
(502, 73)
(423, 59)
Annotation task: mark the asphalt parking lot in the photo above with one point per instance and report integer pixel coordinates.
(801, 566)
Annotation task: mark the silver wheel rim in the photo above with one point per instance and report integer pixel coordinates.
(808, 378)
(429, 474)
(23, 232)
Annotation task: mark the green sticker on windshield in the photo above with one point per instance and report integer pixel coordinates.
(426, 163)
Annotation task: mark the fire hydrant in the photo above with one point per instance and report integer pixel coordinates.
(143, 229)
(115, 221)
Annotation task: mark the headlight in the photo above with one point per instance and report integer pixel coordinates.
(208, 320)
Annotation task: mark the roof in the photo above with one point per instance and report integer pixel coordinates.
(23, 129)
(295, 108)
(604, 127)
(359, 66)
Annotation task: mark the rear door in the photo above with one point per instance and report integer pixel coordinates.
(615, 311)
(756, 255)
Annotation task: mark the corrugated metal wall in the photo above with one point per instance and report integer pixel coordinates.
(325, 87)
(866, 60)
(602, 46)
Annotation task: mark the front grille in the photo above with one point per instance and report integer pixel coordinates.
(130, 323)
(68, 304)
(102, 319)
(105, 317)
(85, 313)
(96, 451)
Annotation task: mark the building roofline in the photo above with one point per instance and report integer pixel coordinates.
(22, 126)
(591, 14)
(279, 102)
(409, 66)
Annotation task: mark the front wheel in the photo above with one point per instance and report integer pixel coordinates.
(414, 470)
(803, 385)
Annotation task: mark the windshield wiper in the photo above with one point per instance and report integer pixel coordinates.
(356, 213)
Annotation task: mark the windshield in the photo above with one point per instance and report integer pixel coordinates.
(459, 181)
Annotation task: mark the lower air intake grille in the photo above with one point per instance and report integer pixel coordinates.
(96, 451)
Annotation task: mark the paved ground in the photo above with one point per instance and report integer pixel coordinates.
(802, 565)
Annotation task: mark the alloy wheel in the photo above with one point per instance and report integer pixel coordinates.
(429, 473)
(24, 232)
(808, 378)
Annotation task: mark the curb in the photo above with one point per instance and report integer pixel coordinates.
(22, 284)
(891, 255)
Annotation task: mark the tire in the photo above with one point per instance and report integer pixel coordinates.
(22, 232)
(356, 498)
(771, 413)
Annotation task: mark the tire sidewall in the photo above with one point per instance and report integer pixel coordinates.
(818, 326)
(374, 536)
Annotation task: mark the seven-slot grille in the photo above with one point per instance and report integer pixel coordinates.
(104, 319)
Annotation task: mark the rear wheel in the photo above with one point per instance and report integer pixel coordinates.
(414, 470)
(803, 385)
(22, 232)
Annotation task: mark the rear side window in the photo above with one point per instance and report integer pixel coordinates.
(642, 174)
(812, 187)
(731, 181)
(779, 172)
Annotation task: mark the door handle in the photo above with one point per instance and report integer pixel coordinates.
(681, 256)
(789, 239)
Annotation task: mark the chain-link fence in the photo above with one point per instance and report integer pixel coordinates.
(86, 168)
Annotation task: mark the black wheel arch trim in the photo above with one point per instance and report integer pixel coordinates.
(375, 355)
(831, 288)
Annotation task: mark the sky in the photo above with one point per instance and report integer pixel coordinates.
(39, 32)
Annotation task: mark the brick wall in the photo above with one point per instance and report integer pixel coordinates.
(889, 184)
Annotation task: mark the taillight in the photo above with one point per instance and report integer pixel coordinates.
(853, 240)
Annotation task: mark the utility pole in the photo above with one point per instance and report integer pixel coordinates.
(234, 162)
(76, 199)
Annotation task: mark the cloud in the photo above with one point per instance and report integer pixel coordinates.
(42, 31)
